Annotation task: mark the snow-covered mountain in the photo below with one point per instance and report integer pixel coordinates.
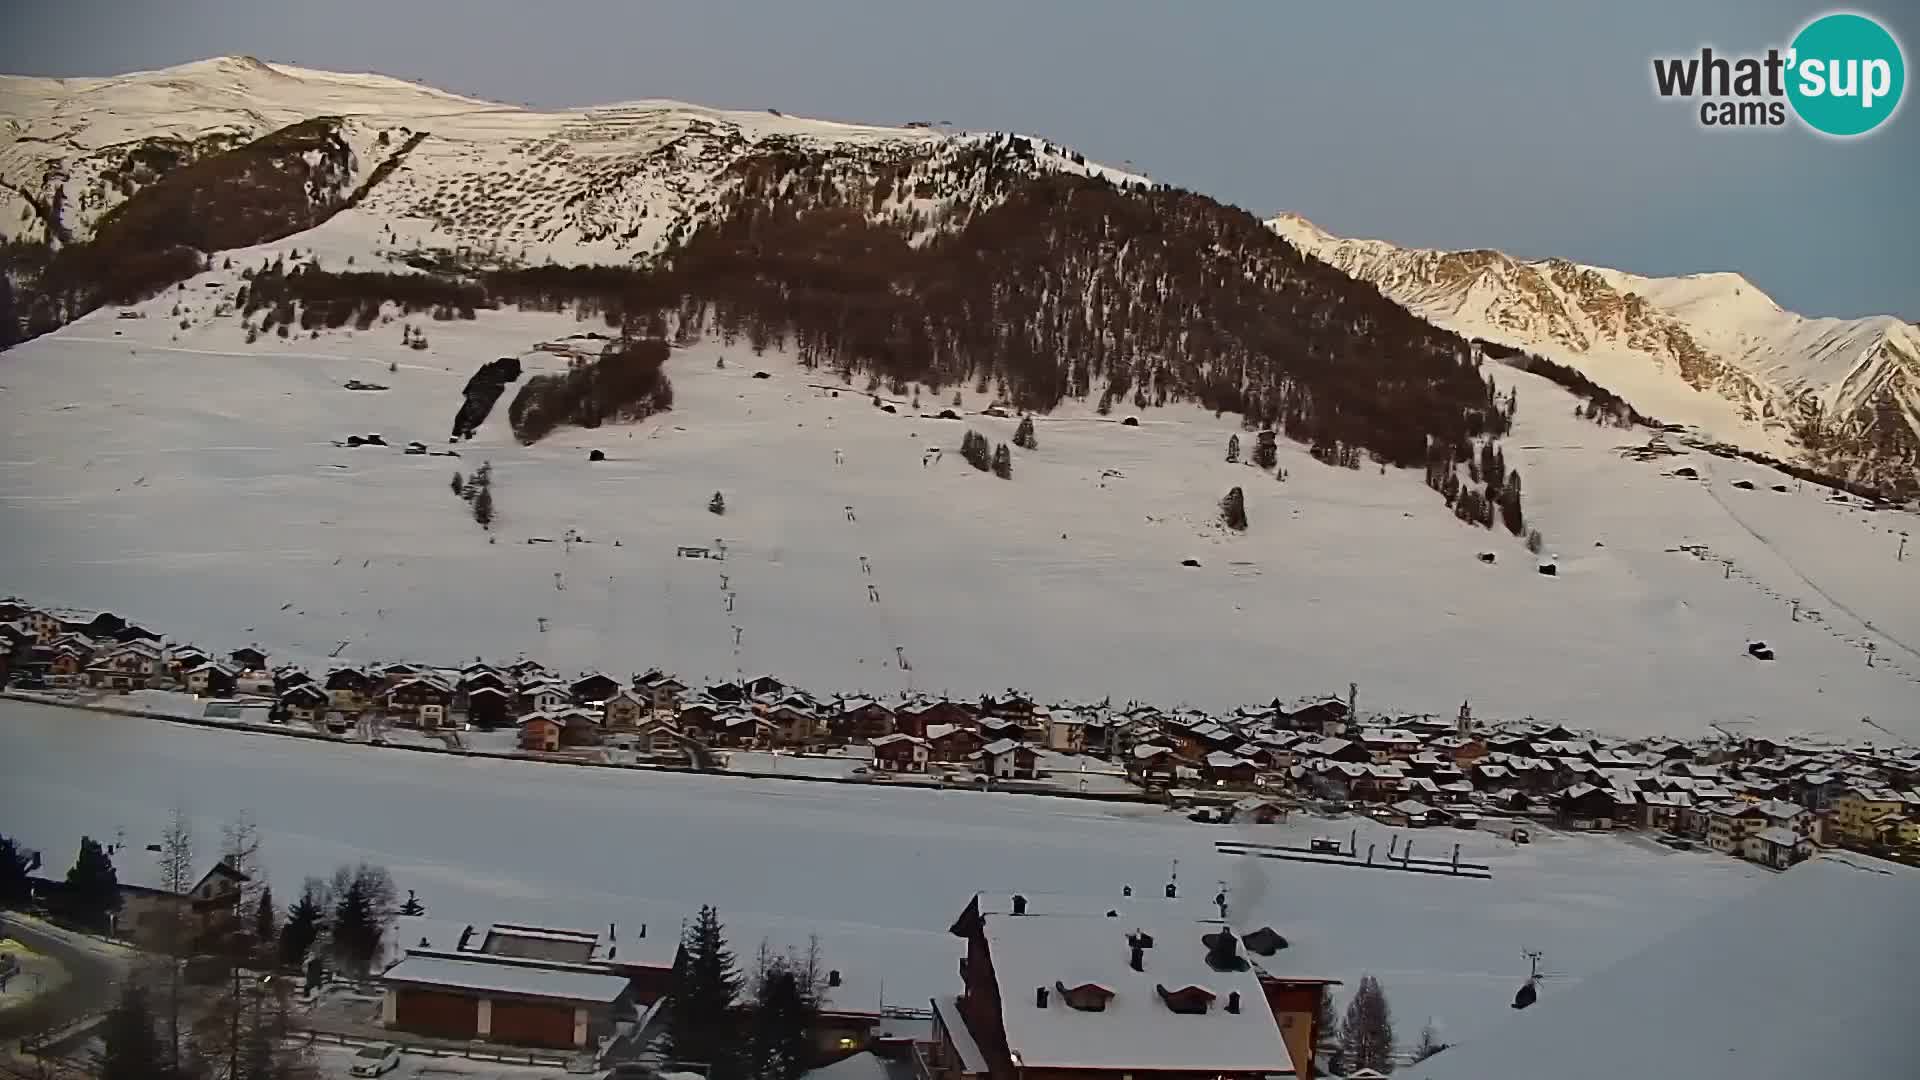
(601, 184)
(1710, 351)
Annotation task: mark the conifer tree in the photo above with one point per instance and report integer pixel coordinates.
(705, 982)
(1002, 462)
(1266, 450)
(1233, 449)
(93, 888)
(15, 888)
(266, 926)
(1023, 436)
(1366, 1039)
(717, 504)
(132, 1049)
(1233, 510)
(306, 919)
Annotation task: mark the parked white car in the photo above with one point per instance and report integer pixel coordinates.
(376, 1060)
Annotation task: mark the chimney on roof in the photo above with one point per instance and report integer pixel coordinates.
(1233, 1001)
(1137, 960)
(1173, 890)
(1019, 904)
(1126, 890)
(1039, 997)
(643, 930)
(613, 951)
(833, 977)
(611, 936)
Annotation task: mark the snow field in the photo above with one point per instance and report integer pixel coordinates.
(877, 873)
(192, 481)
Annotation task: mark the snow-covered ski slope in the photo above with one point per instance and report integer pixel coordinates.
(192, 481)
(878, 874)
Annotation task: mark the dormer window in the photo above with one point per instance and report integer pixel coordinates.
(1086, 997)
(1188, 1000)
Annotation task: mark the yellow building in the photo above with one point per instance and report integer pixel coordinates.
(1856, 809)
(1902, 829)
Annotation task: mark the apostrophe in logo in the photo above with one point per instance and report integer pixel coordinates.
(1847, 74)
(1843, 75)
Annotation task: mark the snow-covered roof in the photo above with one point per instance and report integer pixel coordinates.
(889, 740)
(999, 746)
(1136, 1029)
(1779, 836)
(1773, 986)
(501, 978)
(972, 1061)
(861, 1066)
(1220, 759)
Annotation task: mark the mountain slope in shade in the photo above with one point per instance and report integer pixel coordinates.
(1709, 351)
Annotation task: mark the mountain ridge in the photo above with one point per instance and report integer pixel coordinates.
(1710, 351)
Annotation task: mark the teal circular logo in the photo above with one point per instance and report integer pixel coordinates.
(1846, 74)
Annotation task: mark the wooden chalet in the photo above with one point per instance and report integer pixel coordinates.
(248, 659)
(860, 719)
(899, 753)
(951, 742)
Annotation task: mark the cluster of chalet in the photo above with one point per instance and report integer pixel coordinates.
(1410, 770)
(97, 649)
(1765, 801)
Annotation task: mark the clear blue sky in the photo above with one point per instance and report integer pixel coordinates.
(1530, 127)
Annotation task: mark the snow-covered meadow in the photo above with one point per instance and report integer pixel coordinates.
(192, 481)
(878, 874)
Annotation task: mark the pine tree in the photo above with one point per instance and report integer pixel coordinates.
(483, 507)
(363, 902)
(1233, 510)
(1510, 513)
(458, 487)
(1233, 449)
(1366, 1039)
(412, 906)
(306, 919)
(783, 1019)
(1535, 542)
(266, 922)
(717, 504)
(1266, 450)
(15, 888)
(976, 450)
(93, 888)
(1023, 436)
(1002, 462)
(705, 982)
(132, 1050)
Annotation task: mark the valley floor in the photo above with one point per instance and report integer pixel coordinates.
(877, 874)
(187, 478)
